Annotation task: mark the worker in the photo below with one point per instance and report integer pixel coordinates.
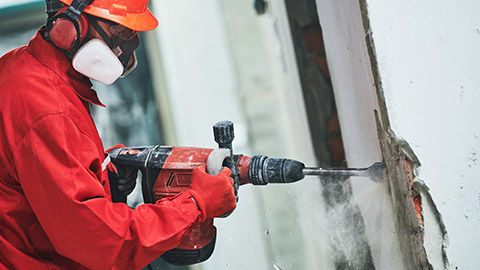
(55, 201)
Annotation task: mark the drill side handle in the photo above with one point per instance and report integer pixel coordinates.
(223, 134)
(216, 161)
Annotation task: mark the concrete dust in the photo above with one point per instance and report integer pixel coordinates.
(345, 225)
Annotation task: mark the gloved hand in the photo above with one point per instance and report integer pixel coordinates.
(214, 194)
(122, 179)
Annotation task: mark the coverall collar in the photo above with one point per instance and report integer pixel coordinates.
(55, 60)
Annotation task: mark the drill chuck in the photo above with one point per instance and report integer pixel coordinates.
(264, 170)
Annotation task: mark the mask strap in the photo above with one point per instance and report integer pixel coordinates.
(102, 33)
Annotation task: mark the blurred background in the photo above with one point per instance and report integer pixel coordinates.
(217, 60)
(401, 86)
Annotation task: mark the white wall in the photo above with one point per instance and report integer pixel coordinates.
(429, 64)
(429, 61)
(198, 67)
(201, 88)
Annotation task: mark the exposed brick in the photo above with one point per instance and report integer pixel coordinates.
(335, 146)
(335, 142)
(407, 166)
(314, 41)
(416, 197)
(323, 65)
(333, 123)
(417, 202)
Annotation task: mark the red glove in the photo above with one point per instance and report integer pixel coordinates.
(214, 194)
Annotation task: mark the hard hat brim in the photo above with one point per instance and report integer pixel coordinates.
(136, 21)
(143, 21)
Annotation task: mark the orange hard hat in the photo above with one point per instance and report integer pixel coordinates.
(133, 14)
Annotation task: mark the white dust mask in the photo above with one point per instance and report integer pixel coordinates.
(97, 61)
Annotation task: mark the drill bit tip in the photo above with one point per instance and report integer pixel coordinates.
(375, 172)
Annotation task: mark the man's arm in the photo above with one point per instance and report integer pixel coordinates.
(56, 165)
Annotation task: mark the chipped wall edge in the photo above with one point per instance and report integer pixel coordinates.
(406, 190)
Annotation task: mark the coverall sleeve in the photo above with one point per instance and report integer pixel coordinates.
(56, 166)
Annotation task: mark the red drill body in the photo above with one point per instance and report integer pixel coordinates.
(167, 171)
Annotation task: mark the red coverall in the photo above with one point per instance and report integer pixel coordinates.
(55, 207)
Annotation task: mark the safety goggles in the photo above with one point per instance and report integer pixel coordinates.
(118, 30)
(122, 32)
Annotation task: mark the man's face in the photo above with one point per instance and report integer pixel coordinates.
(92, 33)
(113, 30)
(121, 40)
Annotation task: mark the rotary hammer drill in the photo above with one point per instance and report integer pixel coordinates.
(167, 171)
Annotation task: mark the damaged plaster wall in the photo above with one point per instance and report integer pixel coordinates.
(356, 99)
(417, 63)
(429, 60)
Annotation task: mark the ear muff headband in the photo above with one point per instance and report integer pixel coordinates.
(68, 28)
(65, 33)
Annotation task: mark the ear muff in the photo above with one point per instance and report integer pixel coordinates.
(65, 32)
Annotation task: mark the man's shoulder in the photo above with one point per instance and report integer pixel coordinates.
(30, 89)
(19, 69)
(22, 77)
